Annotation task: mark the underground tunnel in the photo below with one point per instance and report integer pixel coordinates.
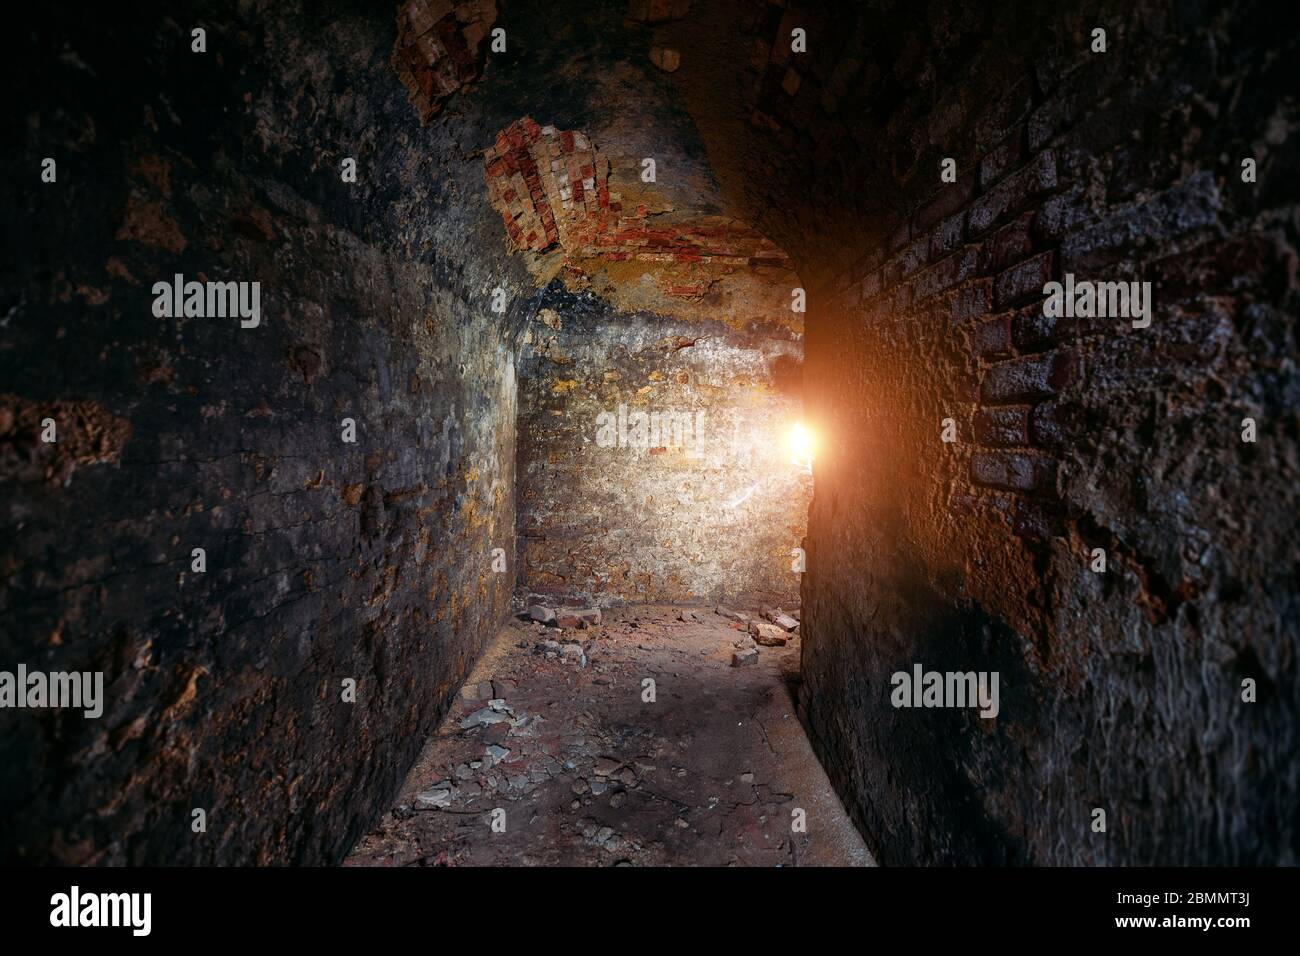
(650, 433)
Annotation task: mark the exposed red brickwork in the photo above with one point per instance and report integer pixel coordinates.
(656, 11)
(533, 171)
(551, 189)
(437, 48)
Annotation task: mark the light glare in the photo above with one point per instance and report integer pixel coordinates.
(801, 444)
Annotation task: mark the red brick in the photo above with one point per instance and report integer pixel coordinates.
(947, 236)
(1023, 281)
(913, 257)
(1031, 331)
(1013, 471)
(1007, 113)
(946, 274)
(992, 337)
(1006, 425)
(1001, 159)
(1014, 193)
(950, 199)
(1010, 244)
(1021, 379)
(970, 301)
(1088, 86)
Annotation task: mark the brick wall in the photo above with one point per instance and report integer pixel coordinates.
(223, 690)
(1120, 690)
(711, 515)
(653, 301)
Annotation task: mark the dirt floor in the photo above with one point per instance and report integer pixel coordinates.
(636, 742)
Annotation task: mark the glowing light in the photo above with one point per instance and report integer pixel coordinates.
(802, 443)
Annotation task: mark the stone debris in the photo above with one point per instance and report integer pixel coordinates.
(574, 652)
(738, 616)
(568, 651)
(769, 635)
(594, 753)
(435, 798)
(481, 717)
(589, 616)
(781, 619)
(525, 726)
(565, 618)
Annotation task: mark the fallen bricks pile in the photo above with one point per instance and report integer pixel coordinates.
(772, 627)
(775, 631)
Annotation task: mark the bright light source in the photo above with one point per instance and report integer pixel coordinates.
(801, 444)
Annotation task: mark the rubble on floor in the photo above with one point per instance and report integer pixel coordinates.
(638, 744)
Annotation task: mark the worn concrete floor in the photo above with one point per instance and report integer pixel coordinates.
(712, 772)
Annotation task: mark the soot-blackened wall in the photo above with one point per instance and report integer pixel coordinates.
(1121, 690)
(325, 560)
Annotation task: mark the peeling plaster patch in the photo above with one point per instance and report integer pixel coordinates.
(437, 49)
(87, 434)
